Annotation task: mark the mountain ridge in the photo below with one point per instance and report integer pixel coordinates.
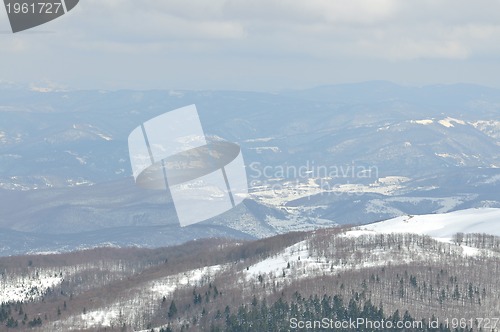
(64, 164)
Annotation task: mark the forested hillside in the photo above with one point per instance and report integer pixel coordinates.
(271, 284)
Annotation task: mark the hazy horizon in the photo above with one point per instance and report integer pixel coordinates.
(257, 46)
(46, 86)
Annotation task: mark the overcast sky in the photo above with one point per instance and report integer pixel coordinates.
(264, 45)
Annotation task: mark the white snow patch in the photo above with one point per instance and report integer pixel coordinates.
(261, 149)
(448, 122)
(167, 285)
(423, 122)
(276, 264)
(105, 137)
(489, 127)
(256, 140)
(493, 179)
(391, 180)
(471, 251)
(27, 287)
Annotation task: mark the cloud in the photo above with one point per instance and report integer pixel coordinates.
(313, 11)
(130, 20)
(277, 36)
(388, 29)
(15, 45)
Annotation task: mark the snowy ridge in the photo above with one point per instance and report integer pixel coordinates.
(317, 256)
(305, 260)
(441, 226)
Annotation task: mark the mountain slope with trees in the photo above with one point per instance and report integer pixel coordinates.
(272, 284)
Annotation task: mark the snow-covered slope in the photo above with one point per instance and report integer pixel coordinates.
(140, 296)
(130, 309)
(305, 259)
(439, 226)
(27, 287)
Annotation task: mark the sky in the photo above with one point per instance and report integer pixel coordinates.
(260, 45)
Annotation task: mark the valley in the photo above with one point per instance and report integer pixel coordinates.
(332, 155)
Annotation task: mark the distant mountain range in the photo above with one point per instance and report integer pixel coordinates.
(341, 154)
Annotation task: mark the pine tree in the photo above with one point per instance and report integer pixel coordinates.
(172, 311)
